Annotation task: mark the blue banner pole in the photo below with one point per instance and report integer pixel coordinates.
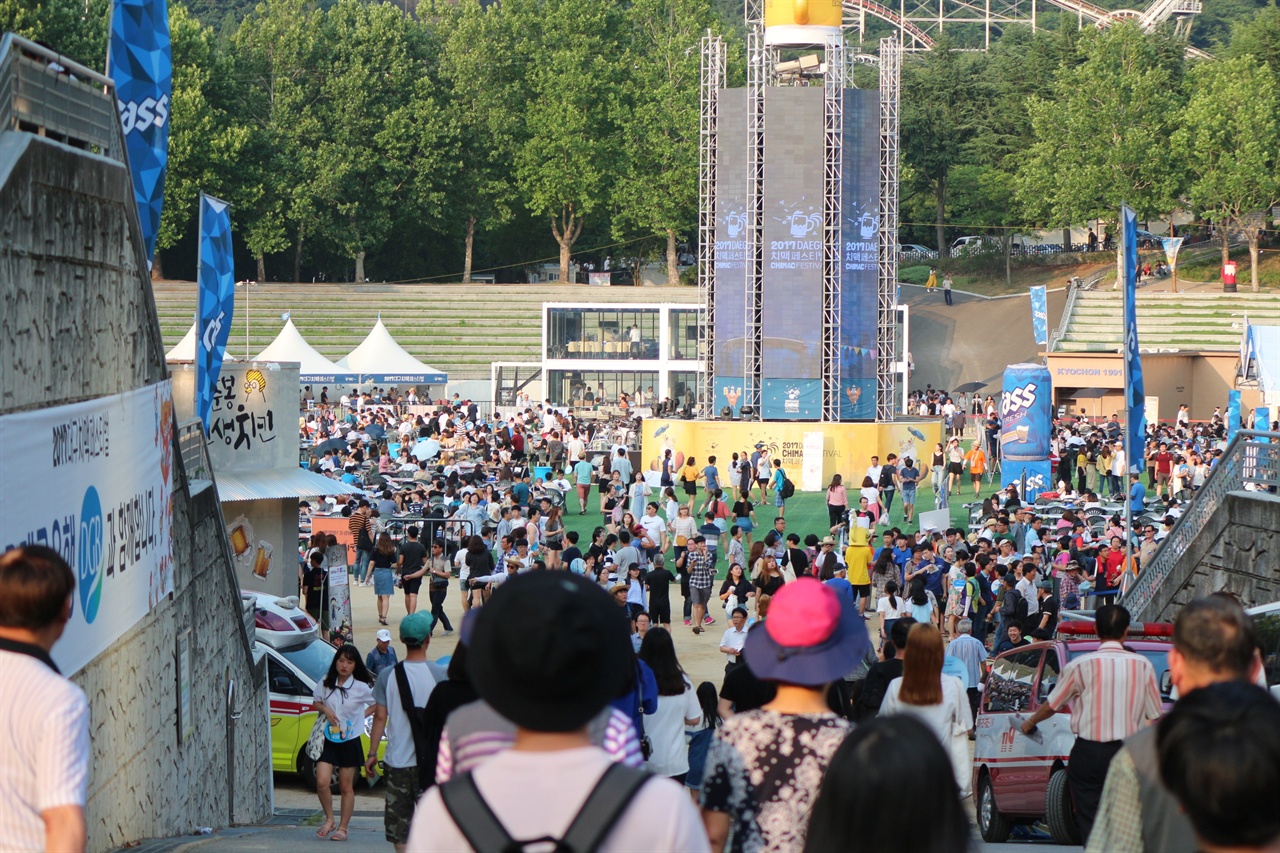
(216, 300)
(1134, 387)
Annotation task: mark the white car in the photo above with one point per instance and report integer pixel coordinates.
(915, 250)
(279, 621)
(1266, 617)
(972, 245)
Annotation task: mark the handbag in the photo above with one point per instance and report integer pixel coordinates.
(315, 741)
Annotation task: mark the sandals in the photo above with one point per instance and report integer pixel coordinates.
(340, 835)
(325, 829)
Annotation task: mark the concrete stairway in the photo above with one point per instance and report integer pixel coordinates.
(459, 329)
(1167, 321)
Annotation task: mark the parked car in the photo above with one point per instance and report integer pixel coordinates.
(973, 244)
(1266, 618)
(1020, 778)
(297, 660)
(915, 250)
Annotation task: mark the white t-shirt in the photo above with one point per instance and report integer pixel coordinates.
(665, 729)
(939, 718)
(45, 758)
(734, 639)
(386, 692)
(654, 526)
(348, 703)
(1028, 592)
(537, 794)
(888, 611)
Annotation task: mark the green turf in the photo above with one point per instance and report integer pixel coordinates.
(806, 512)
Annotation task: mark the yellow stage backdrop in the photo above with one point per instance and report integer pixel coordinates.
(846, 448)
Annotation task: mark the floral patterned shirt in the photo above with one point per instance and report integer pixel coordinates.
(764, 770)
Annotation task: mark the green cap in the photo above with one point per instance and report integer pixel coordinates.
(415, 628)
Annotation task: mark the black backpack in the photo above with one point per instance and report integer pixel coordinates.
(606, 803)
(788, 488)
(886, 477)
(417, 724)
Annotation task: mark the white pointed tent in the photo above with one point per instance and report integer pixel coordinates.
(289, 345)
(379, 359)
(185, 349)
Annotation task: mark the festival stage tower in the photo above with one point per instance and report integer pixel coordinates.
(798, 223)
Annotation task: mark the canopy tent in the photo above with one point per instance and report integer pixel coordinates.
(380, 359)
(1260, 359)
(185, 349)
(289, 345)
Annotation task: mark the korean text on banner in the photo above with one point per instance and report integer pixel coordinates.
(1135, 393)
(1040, 314)
(142, 68)
(217, 296)
(105, 472)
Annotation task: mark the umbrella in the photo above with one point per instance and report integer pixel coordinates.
(426, 448)
(376, 431)
(334, 444)
(970, 386)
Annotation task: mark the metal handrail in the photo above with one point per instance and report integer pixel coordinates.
(195, 450)
(1086, 283)
(44, 92)
(1251, 458)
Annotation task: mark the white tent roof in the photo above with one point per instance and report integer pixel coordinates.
(289, 345)
(185, 349)
(380, 359)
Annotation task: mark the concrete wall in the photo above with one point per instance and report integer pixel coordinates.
(79, 322)
(1238, 550)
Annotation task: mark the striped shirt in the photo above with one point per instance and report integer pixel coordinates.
(475, 732)
(44, 748)
(1113, 692)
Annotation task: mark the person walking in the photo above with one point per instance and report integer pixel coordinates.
(44, 717)
(764, 765)
(399, 694)
(946, 288)
(931, 283)
(411, 565)
(697, 563)
(1113, 693)
(837, 502)
(550, 670)
(778, 484)
(439, 576)
(382, 655)
(1214, 641)
(344, 697)
(384, 578)
(678, 707)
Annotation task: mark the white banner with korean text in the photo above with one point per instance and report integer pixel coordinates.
(94, 481)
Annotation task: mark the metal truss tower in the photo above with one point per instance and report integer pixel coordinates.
(833, 159)
(760, 64)
(887, 284)
(712, 82)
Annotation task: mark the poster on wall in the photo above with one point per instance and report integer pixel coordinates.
(337, 612)
(253, 556)
(102, 472)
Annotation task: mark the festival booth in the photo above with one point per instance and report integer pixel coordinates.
(253, 450)
(313, 368)
(810, 452)
(185, 349)
(379, 360)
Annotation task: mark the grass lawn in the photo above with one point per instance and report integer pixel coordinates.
(806, 513)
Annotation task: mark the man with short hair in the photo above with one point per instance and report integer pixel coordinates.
(1214, 641)
(972, 653)
(44, 718)
(701, 570)
(550, 670)
(404, 783)
(1113, 694)
(735, 637)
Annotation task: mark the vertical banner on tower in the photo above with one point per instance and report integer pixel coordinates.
(217, 296)
(141, 65)
(791, 293)
(1040, 314)
(730, 272)
(1135, 389)
(859, 254)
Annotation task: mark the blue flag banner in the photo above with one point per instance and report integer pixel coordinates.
(141, 65)
(1135, 390)
(1233, 414)
(216, 282)
(1040, 314)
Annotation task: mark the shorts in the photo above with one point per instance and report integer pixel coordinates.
(699, 595)
(660, 612)
(744, 524)
(349, 753)
(1163, 478)
(584, 489)
(778, 499)
(908, 494)
(690, 488)
(402, 797)
(861, 590)
(411, 585)
(955, 468)
(975, 476)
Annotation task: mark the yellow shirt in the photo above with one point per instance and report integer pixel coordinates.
(858, 560)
